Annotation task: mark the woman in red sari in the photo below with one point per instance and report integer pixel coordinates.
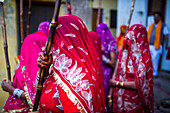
(75, 83)
(96, 41)
(23, 88)
(133, 92)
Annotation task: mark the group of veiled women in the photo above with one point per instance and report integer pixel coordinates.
(82, 71)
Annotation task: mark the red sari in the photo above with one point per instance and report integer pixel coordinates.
(75, 84)
(96, 41)
(135, 65)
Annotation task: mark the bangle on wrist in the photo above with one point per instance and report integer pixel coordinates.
(109, 96)
(17, 93)
(110, 101)
(117, 83)
(121, 84)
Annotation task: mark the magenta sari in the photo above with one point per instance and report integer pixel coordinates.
(25, 76)
(135, 65)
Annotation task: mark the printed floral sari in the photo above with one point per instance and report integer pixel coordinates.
(135, 65)
(76, 83)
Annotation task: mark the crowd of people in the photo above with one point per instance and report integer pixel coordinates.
(88, 71)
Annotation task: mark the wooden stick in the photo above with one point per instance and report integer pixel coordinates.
(5, 40)
(117, 63)
(127, 27)
(21, 21)
(130, 16)
(42, 71)
(29, 17)
(98, 13)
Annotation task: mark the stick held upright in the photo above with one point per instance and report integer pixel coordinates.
(21, 21)
(5, 40)
(98, 13)
(127, 27)
(42, 71)
(29, 17)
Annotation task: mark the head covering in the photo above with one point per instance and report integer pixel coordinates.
(120, 38)
(26, 74)
(44, 26)
(107, 40)
(76, 69)
(123, 28)
(135, 59)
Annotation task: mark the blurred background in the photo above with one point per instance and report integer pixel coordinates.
(113, 12)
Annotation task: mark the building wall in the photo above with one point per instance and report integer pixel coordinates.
(139, 15)
(11, 28)
(166, 63)
(10, 18)
(63, 8)
(82, 9)
(107, 6)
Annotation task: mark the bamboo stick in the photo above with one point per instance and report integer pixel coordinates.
(5, 40)
(127, 27)
(29, 17)
(21, 21)
(53, 26)
(98, 13)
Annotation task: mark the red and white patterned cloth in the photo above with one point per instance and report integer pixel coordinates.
(135, 65)
(76, 84)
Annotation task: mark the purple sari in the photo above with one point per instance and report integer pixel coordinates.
(108, 44)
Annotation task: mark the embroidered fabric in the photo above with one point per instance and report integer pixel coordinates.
(76, 71)
(135, 65)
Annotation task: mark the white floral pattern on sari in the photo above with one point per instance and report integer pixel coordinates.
(73, 75)
(138, 68)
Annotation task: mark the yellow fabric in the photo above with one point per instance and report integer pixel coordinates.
(15, 111)
(17, 60)
(157, 42)
(28, 97)
(120, 42)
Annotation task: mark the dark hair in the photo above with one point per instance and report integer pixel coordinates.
(157, 13)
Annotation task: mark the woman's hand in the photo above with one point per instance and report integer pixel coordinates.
(42, 60)
(112, 82)
(7, 86)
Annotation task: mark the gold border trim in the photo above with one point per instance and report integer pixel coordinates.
(28, 97)
(17, 60)
(14, 111)
(69, 93)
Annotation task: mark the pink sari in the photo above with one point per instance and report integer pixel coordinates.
(76, 84)
(135, 65)
(25, 76)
